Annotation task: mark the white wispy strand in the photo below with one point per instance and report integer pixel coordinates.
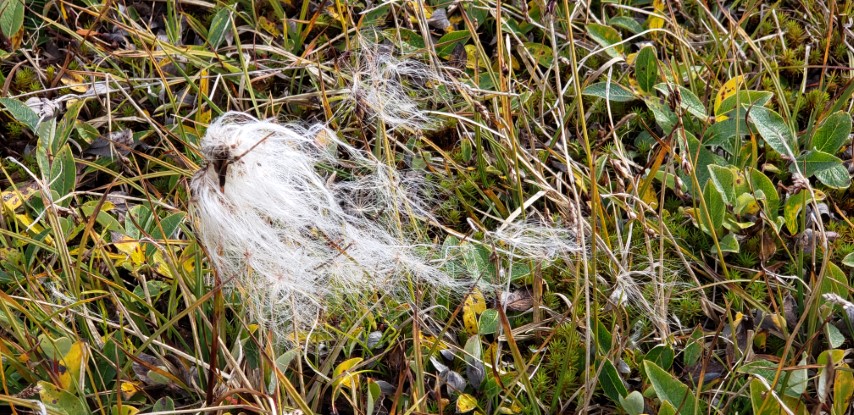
(378, 88)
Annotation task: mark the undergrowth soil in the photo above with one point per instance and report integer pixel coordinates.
(700, 151)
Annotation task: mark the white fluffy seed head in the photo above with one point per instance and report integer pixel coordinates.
(273, 216)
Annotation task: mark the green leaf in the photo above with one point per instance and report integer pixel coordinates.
(722, 133)
(646, 68)
(836, 177)
(835, 281)
(68, 124)
(612, 383)
(689, 100)
(701, 158)
(664, 116)
(798, 379)
(479, 14)
(542, 53)
(446, 44)
(815, 161)
(284, 361)
(714, 210)
(693, 351)
(519, 271)
(21, 112)
(832, 133)
(63, 174)
(137, 221)
(795, 380)
(773, 130)
(488, 322)
(375, 17)
(404, 38)
(473, 349)
(607, 37)
(163, 404)
(848, 261)
(633, 403)
(764, 189)
(724, 180)
(744, 98)
(667, 408)
(11, 17)
(662, 355)
(167, 228)
(476, 261)
(603, 337)
(835, 338)
(219, 25)
(761, 401)
(670, 389)
(60, 401)
(611, 91)
(729, 244)
(627, 23)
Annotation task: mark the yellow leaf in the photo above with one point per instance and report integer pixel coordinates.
(189, 265)
(337, 16)
(129, 389)
(470, 321)
(268, 26)
(132, 249)
(727, 90)
(654, 21)
(466, 403)
(162, 266)
(418, 8)
(630, 60)
(14, 199)
(32, 226)
(473, 305)
(476, 301)
(73, 361)
(650, 197)
(203, 116)
(472, 57)
(126, 410)
(342, 377)
(74, 82)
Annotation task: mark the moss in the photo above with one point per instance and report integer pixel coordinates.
(25, 78)
(794, 31)
(816, 99)
(747, 259)
(688, 308)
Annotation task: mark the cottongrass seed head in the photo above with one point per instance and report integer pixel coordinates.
(271, 217)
